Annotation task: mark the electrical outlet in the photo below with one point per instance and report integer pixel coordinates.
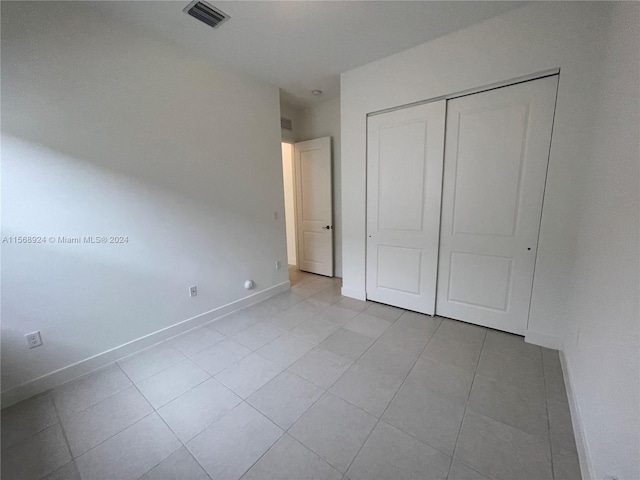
(193, 291)
(33, 339)
(278, 265)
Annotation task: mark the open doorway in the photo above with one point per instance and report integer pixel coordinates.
(290, 209)
(306, 170)
(314, 205)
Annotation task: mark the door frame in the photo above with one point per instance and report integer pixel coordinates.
(507, 83)
(463, 93)
(295, 200)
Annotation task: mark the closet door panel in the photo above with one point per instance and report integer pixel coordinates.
(496, 155)
(404, 182)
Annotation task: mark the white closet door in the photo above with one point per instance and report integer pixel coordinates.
(404, 185)
(497, 149)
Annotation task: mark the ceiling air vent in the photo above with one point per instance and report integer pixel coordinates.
(286, 123)
(206, 13)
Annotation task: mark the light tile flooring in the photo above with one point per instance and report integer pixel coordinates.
(308, 384)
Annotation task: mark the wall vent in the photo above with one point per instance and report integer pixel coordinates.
(286, 123)
(206, 13)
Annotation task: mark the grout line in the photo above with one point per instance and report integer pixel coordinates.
(74, 458)
(546, 407)
(183, 445)
(326, 392)
(155, 411)
(284, 432)
(188, 390)
(110, 437)
(315, 384)
(379, 419)
(64, 435)
(466, 406)
(355, 360)
(75, 468)
(488, 416)
(141, 353)
(40, 429)
(195, 460)
(82, 379)
(286, 369)
(242, 400)
(85, 378)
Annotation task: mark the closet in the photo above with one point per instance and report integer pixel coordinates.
(454, 201)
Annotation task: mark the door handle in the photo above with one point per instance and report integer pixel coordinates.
(328, 227)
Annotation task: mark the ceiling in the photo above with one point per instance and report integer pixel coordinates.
(302, 46)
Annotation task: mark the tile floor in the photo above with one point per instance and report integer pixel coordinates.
(308, 384)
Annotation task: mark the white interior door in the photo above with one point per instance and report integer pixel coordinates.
(404, 184)
(497, 149)
(314, 206)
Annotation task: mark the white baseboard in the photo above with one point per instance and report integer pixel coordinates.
(101, 360)
(586, 465)
(543, 340)
(353, 293)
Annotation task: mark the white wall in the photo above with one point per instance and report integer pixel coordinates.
(289, 202)
(601, 341)
(294, 114)
(107, 132)
(323, 120)
(571, 36)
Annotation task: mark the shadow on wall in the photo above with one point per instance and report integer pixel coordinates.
(45, 302)
(84, 295)
(108, 133)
